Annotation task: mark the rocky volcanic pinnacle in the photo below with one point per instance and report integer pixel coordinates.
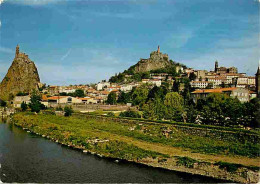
(157, 60)
(22, 76)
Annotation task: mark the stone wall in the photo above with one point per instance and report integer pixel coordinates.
(87, 107)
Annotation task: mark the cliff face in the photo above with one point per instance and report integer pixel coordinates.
(22, 76)
(157, 60)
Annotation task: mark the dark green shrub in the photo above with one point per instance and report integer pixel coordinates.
(129, 113)
(110, 114)
(24, 106)
(186, 161)
(230, 167)
(2, 103)
(59, 108)
(68, 111)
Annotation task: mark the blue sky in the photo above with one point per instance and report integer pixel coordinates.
(84, 41)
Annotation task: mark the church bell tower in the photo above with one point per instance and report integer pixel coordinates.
(257, 81)
(17, 51)
(216, 66)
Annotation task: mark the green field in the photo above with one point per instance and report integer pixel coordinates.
(113, 138)
(148, 143)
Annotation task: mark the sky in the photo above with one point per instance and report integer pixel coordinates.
(86, 41)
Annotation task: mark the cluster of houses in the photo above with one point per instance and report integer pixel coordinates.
(221, 80)
(224, 80)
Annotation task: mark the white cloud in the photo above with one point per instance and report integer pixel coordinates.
(33, 2)
(1, 1)
(66, 55)
(243, 54)
(6, 50)
(178, 40)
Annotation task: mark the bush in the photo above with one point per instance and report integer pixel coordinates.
(35, 104)
(24, 106)
(2, 103)
(228, 166)
(186, 161)
(59, 108)
(110, 114)
(68, 111)
(129, 113)
(22, 94)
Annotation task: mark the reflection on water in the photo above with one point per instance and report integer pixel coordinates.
(29, 158)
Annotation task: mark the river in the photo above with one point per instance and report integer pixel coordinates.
(30, 158)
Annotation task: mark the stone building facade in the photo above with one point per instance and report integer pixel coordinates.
(257, 82)
(224, 69)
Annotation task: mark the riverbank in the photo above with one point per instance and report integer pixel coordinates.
(148, 144)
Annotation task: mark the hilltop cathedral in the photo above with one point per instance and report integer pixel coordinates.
(257, 81)
(224, 69)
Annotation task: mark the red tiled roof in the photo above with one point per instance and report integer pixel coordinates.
(44, 98)
(104, 92)
(56, 97)
(84, 98)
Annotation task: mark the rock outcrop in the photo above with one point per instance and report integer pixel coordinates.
(157, 60)
(22, 76)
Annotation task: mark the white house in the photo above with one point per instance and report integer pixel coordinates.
(199, 84)
(18, 100)
(64, 100)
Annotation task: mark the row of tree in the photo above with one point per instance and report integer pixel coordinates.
(160, 103)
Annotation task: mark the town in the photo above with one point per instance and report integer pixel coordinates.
(128, 91)
(202, 83)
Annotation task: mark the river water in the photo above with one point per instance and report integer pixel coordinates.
(29, 158)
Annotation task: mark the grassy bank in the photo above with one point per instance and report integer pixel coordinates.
(142, 142)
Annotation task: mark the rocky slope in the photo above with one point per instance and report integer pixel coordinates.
(22, 76)
(156, 61)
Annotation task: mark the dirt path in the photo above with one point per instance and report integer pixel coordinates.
(173, 151)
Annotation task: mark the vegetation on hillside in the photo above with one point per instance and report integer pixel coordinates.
(138, 76)
(77, 93)
(162, 103)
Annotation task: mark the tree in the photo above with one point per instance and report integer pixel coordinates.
(111, 99)
(64, 94)
(154, 109)
(174, 100)
(139, 95)
(176, 86)
(175, 106)
(24, 106)
(3, 103)
(68, 111)
(157, 91)
(79, 93)
(35, 103)
(186, 91)
(123, 97)
(209, 86)
(192, 76)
